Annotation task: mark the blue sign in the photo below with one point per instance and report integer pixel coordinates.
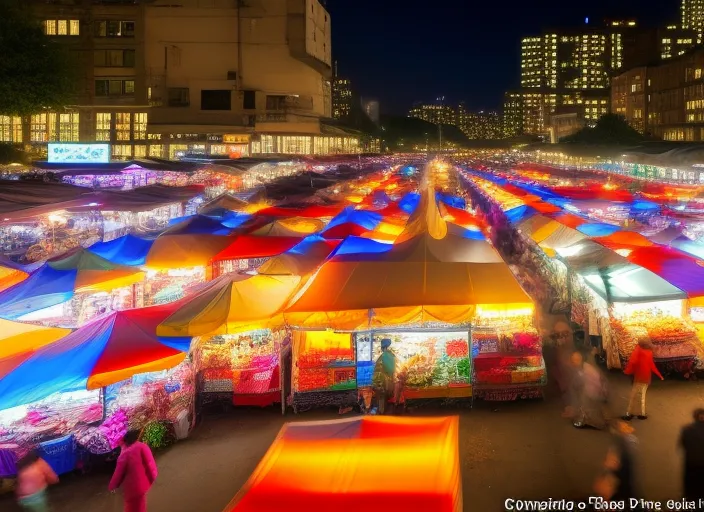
(79, 153)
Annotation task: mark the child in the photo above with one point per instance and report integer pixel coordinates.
(34, 475)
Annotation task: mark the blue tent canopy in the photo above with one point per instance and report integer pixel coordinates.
(519, 213)
(234, 219)
(44, 288)
(642, 205)
(366, 219)
(305, 245)
(380, 198)
(126, 250)
(356, 246)
(197, 225)
(597, 229)
(454, 201)
(409, 202)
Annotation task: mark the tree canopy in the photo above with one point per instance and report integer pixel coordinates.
(610, 129)
(35, 72)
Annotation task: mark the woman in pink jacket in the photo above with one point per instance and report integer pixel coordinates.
(135, 472)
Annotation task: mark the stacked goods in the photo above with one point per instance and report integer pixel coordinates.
(671, 337)
(505, 357)
(114, 428)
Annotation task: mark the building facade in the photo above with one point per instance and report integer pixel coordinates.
(435, 113)
(482, 125)
(513, 114)
(666, 99)
(216, 78)
(629, 97)
(692, 12)
(341, 97)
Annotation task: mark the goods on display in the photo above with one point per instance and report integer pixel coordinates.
(242, 364)
(323, 361)
(428, 361)
(156, 435)
(672, 337)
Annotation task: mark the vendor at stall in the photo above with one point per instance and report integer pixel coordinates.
(385, 376)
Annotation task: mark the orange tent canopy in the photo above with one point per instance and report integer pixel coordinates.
(374, 463)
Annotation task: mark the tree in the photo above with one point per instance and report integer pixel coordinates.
(35, 72)
(610, 129)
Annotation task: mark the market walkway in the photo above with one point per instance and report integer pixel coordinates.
(522, 450)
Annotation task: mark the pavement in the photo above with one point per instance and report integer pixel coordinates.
(522, 450)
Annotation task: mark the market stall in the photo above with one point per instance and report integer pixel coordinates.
(336, 465)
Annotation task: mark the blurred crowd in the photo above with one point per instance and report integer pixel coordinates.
(575, 373)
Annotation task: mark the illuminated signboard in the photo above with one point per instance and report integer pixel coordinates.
(79, 153)
(235, 139)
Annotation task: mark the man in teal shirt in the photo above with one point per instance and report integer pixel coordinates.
(385, 375)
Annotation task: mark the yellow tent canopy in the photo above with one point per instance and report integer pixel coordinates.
(298, 264)
(18, 341)
(185, 251)
(428, 275)
(230, 304)
(10, 276)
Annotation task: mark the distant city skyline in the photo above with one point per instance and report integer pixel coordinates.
(402, 52)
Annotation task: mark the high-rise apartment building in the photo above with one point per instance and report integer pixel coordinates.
(482, 125)
(160, 78)
(692, 12)
(513, 114)
(629, 97)
(341, 96)
(435, 113)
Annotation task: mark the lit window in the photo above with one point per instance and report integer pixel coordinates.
(50, 27)
(122, 125)
(156, 150)
(69, 127)
(122, 151)
(38, 128)
(698, 73)
(62, 28)
(103, 121)
(140, 151)
(74, 27)
(140, 126)
(10, 129)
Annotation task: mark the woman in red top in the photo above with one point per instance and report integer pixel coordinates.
(135, 473)
(641, 365)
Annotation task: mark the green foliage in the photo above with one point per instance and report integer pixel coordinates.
(35, 72)
(156, 435)
(401, 133)
(9, 154)
(610, 129)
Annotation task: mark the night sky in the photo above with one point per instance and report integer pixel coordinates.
(401, 51)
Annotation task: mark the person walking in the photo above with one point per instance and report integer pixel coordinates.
(135, 472)
(34, 475)
(590, 394)
(641, 365)
(692, 443)
(618, 481)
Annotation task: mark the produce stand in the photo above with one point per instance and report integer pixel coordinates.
(507, 359)
(323, 370)
(242, 369)
(431, 363)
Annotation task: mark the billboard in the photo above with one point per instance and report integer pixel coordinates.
(79, 153)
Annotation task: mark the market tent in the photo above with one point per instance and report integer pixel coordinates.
(302, 260)
(58, 279)
(666, 236)
(11, 274)
(383, 463)
(248, 246)
(196, 225)
(615, 278)
(351, 222)
(292, 227)
(684, 244)
(624, 239)
(232, 303)
(18, 341)
(312, 211)
(127, 250)
(225, 202)
(108, 350)
(428, 274)
(682, 270)
(185, 251)
(549, 233)
(594, 229)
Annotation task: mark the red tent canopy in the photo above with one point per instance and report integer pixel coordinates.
(249, 246)
(313, 211)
